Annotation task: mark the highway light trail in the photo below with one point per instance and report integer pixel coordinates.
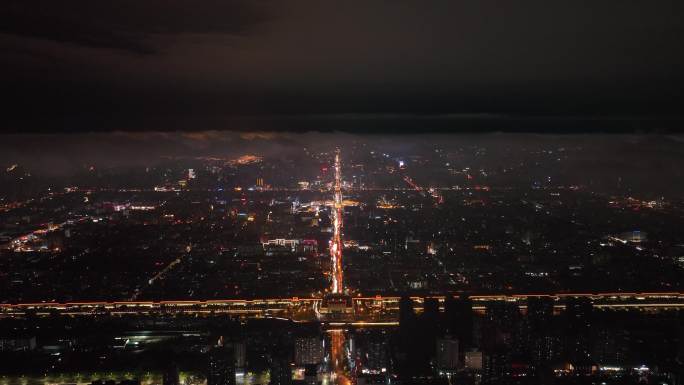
(338, 357)
(336, 241)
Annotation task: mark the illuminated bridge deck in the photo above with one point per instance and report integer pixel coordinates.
(373, 309)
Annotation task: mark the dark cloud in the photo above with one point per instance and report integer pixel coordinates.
(157, 65)
(127, 25)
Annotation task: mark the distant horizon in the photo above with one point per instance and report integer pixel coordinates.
(376, 123)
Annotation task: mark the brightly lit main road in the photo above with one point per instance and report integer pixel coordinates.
(336, 241)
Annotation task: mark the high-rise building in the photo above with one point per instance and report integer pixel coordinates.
(500, 325)
(376, 355)
(612, 347)
(280, 371)
(542, 343)
(239, 353)
(503, 314)
(170, 375)
(221, 370)
(459, 320)
(539, 313)
(544, 348)
(308, 350)
(578, 316)
(446, 356)
(431, 310)
(500, 338)
(373, 350)
(408, 330)
(429, 327)
(496, 364)
(680, 345)
(406, 313)
(473, 360)
(17, 344)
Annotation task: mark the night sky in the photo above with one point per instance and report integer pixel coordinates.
(407, 66)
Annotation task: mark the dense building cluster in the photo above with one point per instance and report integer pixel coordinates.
(434, 220)
(442, 342)
(422, 263)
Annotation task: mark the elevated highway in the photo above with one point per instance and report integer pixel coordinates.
(365, 309)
